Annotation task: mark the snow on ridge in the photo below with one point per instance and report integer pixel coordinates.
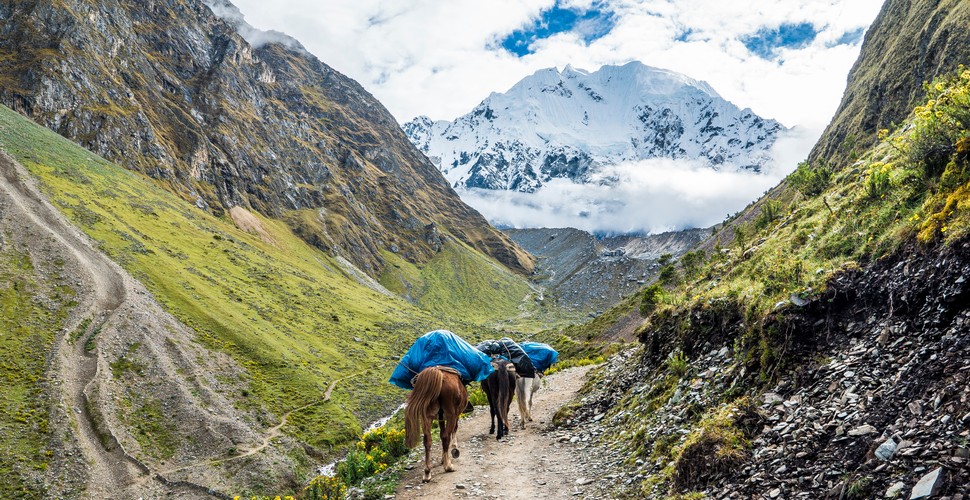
(572, 123)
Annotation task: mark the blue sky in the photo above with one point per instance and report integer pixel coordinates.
(590, 24)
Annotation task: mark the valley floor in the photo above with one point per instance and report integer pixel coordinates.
(537, 462)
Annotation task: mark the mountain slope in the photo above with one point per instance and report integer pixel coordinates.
(174, 91)
(908, 44)
(823, 352)
(262, 327)
(569, 124)
(582, 273)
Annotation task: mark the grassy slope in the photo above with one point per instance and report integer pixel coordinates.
(33, 306)
(284, 310)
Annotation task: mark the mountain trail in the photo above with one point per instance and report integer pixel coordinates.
(76, 368)
(107, 297)
(535, 462)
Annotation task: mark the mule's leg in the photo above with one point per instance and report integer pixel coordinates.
(523, 393)
(426, 424)
(448, 431)
(536, 384)
(491, 411)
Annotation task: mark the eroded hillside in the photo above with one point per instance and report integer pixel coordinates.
(173, 91)
(262, 357)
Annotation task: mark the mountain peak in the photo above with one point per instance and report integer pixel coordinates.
(570, 124)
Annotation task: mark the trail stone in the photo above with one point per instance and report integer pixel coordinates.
(928, 485)
(886, 450)
(895, 490)
(862, 430)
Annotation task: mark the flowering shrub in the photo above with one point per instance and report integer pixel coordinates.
(372, 455)
(325, 488)
(375, 451)
(940, 124)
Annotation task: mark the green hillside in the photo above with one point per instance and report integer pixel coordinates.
(286, 311)
(911, 187)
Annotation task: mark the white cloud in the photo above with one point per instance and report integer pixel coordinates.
(647, 196)
(442, 58)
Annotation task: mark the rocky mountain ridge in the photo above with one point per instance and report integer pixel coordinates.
(880, 407)
(581, 272)
(908, 44)
(172, 90)
(569, 124)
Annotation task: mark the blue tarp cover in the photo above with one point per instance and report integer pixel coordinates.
(542, 355)
(441, 348)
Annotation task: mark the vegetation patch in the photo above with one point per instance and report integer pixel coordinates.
(34, 304)
(718, 443)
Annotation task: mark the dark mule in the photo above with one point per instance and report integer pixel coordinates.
(499, 388)
(438, 392)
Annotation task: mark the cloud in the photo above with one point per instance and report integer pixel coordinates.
(427, 57)
(442, 58)
(649, 196)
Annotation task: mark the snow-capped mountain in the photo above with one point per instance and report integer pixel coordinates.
(571, 123)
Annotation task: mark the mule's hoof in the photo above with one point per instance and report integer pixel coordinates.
(455, 453)
(426, 480)
(449, 469)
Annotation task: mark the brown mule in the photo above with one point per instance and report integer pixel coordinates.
(438, 392)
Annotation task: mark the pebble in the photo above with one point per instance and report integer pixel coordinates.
(886, 450)
(862, 430)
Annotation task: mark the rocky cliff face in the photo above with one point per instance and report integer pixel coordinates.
(909, 43)
(570, 123)
(581, 272)
(177, 92)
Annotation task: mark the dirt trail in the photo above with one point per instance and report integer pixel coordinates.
(530, 464)
(110, 470)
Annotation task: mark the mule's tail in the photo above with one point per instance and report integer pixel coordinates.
(427, 387)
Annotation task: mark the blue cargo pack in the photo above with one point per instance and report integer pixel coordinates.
(542, 355)
(441, 348)
(508, 349)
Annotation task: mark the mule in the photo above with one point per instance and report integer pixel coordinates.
(438, 392)
(525, 390)
(499, 388)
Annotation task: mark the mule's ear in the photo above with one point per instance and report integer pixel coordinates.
(511, 368)
(494, 364)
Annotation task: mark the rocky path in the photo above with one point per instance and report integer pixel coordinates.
(537, 462)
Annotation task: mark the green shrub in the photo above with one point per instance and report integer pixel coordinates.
(691, 262)
(653, 295)
(678, 363)
(668, 275)
(770, 210)
(808, 180)
(939, 124)
(878, 180)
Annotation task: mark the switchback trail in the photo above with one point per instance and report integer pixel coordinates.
(537, 462)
